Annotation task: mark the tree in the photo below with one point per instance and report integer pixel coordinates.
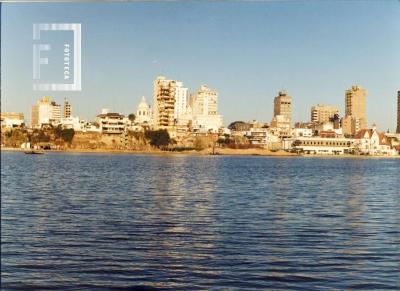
(57, 131)
(67, 134)
(40, 136)
(239, 126)
(158, 138)
(132, 117)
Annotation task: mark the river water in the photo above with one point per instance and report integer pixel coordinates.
(99, 221)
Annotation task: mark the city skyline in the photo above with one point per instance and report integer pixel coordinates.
(247, 60)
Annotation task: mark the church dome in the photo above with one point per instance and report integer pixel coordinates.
(143, 106)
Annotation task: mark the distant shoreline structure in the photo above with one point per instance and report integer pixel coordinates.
(207, 152)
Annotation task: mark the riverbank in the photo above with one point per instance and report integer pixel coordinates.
(205, 152)
(219, 151)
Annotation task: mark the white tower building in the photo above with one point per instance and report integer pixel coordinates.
(204, 104)
(143, 112)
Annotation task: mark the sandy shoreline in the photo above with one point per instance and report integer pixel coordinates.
(206, 152)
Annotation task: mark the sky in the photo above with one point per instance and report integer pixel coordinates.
(247, 51)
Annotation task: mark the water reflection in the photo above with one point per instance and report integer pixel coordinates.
(87, 221)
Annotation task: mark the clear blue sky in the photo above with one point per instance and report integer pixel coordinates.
(247, 51)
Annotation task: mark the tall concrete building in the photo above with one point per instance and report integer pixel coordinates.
(282, 120)
(67, 109)
(283, 105)
(323, 113)
(181, 98)
(204, 107)
(45, 112)
(170, 98)
(355, 111)
(398, 112)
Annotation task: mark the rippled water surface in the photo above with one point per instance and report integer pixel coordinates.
(87, 221)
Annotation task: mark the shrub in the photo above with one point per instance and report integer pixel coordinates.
(67, 135)
(158, 138)
(199, 143)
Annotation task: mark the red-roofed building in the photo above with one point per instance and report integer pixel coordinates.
(372, 142)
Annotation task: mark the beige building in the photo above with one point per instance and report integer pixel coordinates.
(355, 110)
(280, 126)
(111, 122)
(323, 113)
(170, 99)
(204, 107)
(398, 112)
(283, 105)
(45, 112)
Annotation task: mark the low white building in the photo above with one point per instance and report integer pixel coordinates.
(258, 136)
(91, 127)
(302, 132)
(327, 126)
(319, 145)
(206, 123)
(72, 122)
(111, 122)
(263, 137)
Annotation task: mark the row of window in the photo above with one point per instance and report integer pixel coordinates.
(326, 143)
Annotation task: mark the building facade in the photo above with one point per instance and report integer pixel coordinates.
(72, 123)
(283, 105)
(170, 98)
(372, 142)
(302, 132)
(319, 145)
(111, 123)
(181, 98)
(355, 110)
(204, 107)
(45, 112)
(323, 113)
(67, 109)
(280, 126)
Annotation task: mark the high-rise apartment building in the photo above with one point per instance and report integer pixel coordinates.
(67, 109)
(283, 105)
(323, 113)
(170, 99)
(398, 112)
(45, 112)
(181, 98)
(355, 111)
(204, 108)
